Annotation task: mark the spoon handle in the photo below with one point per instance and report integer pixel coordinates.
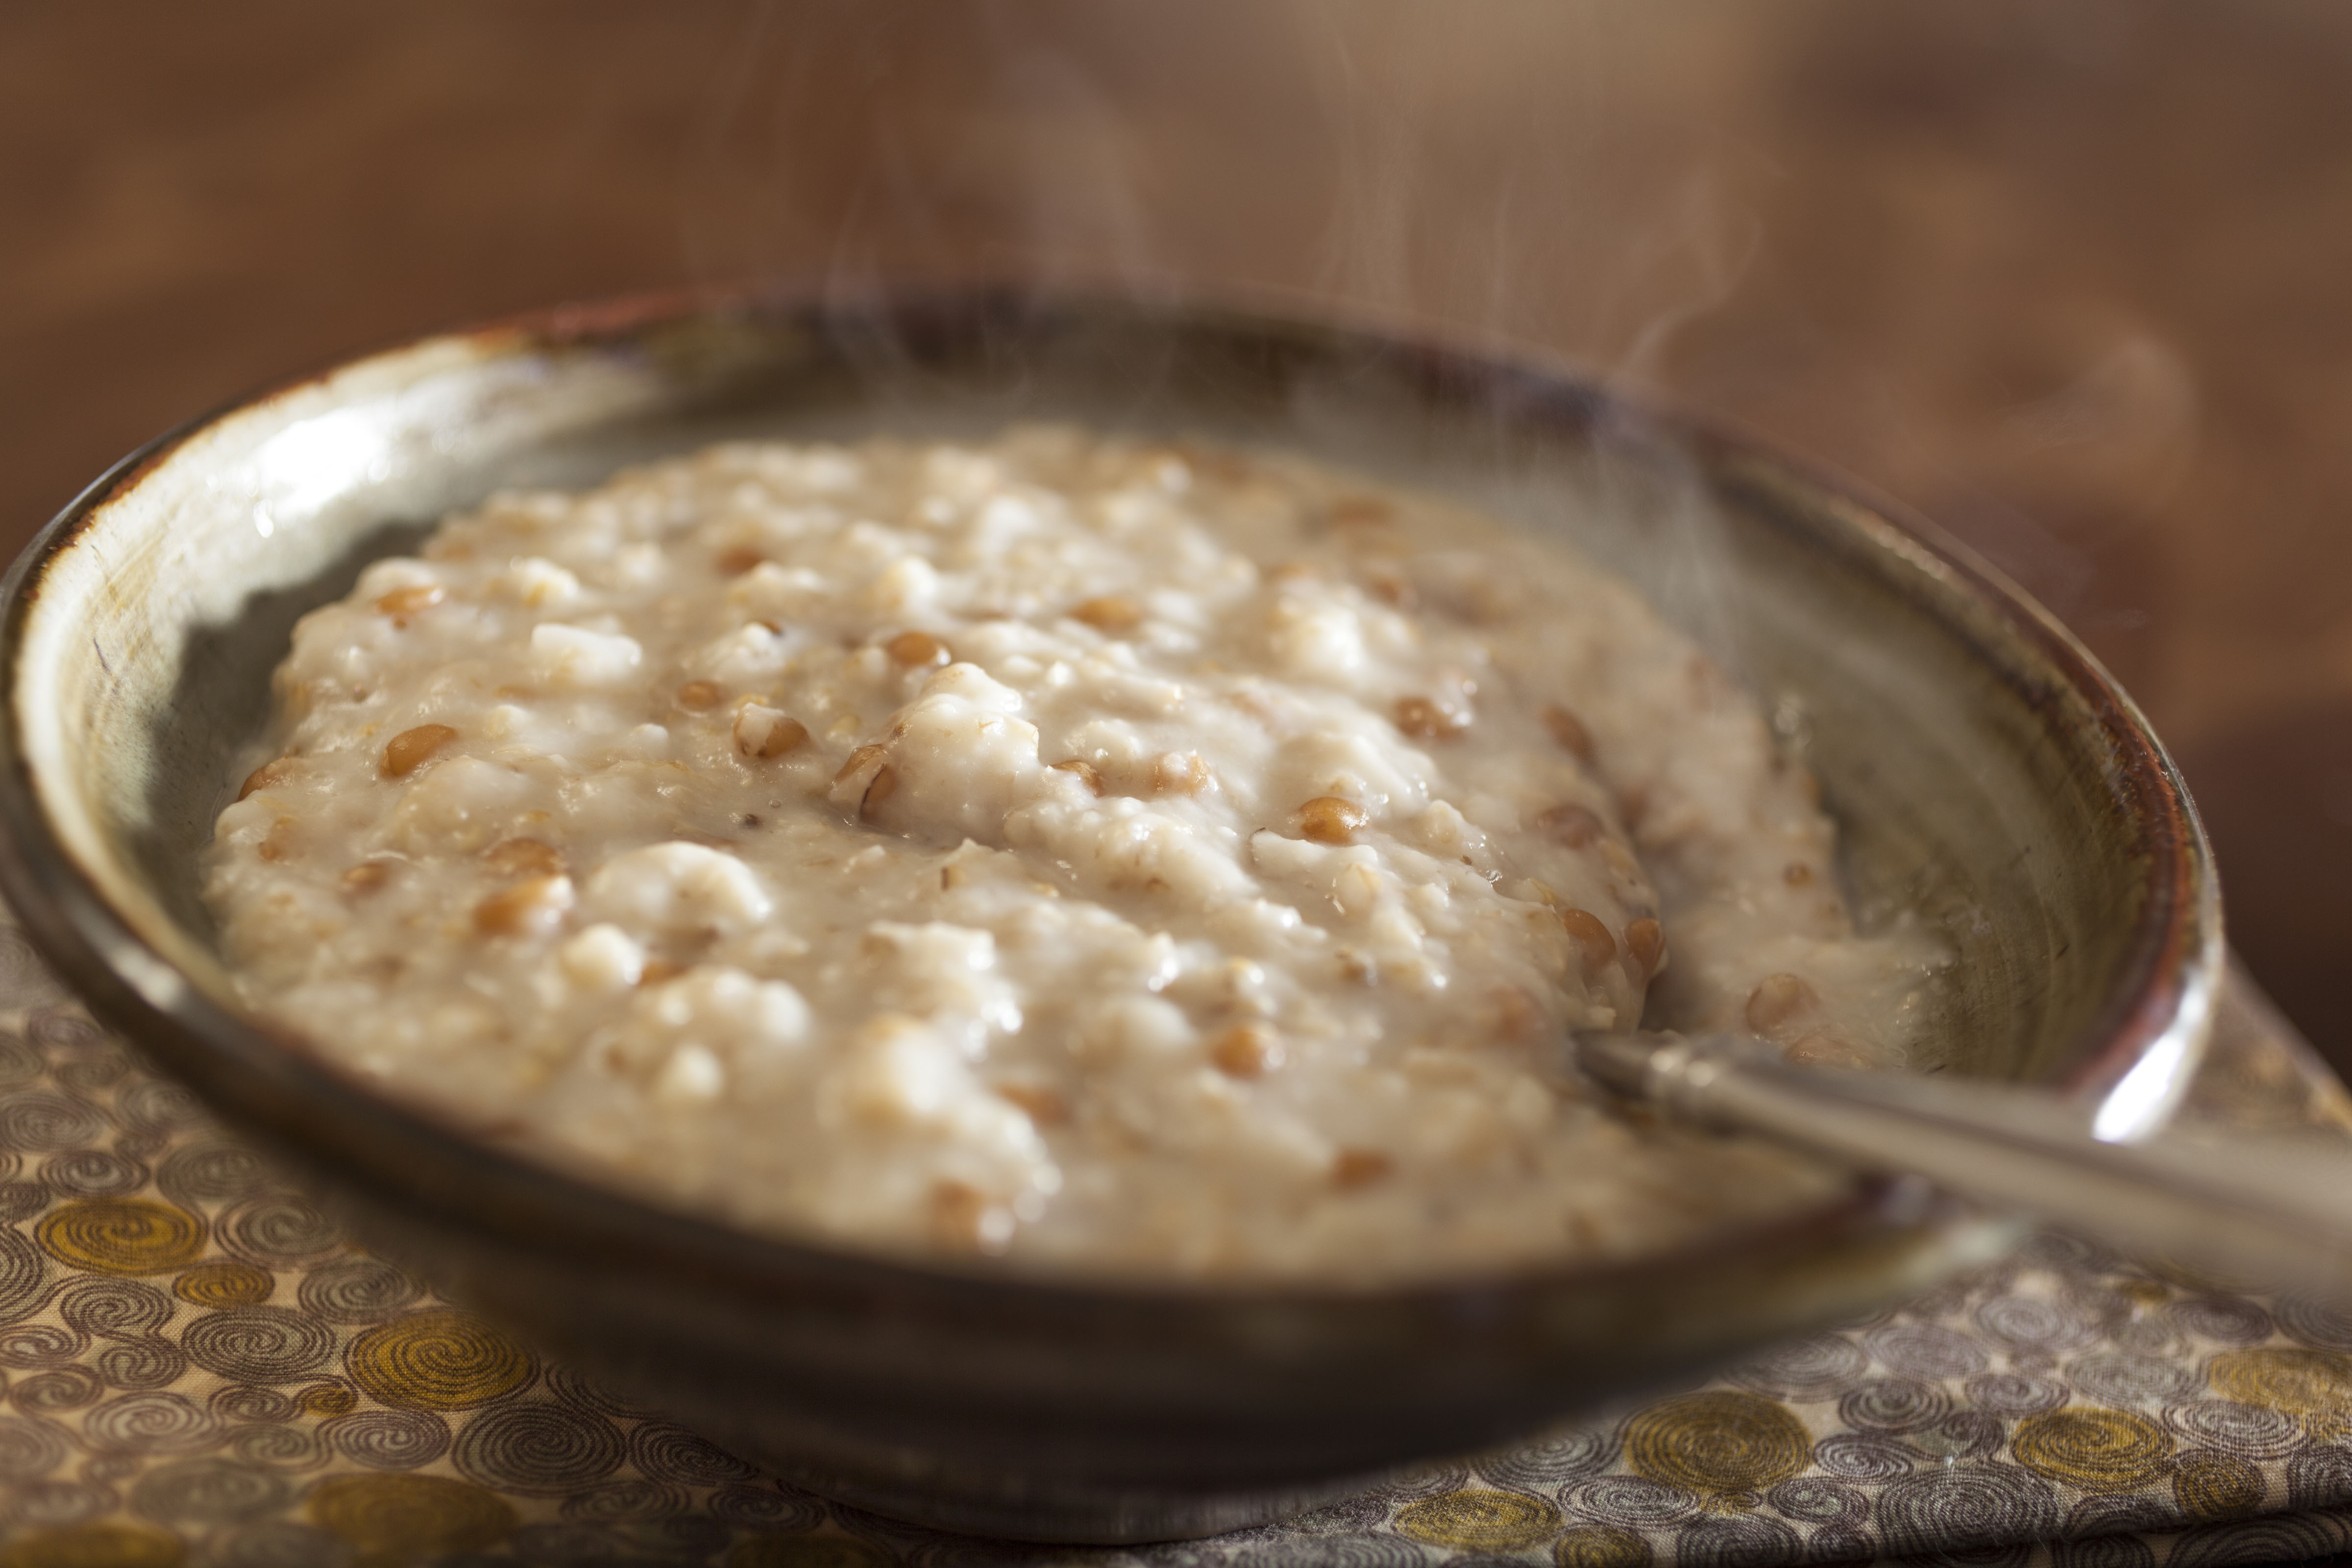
(2254, 1208)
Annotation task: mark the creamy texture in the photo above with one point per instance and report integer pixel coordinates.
(1138, 859)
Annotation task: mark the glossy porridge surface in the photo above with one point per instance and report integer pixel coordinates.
(1142, 860)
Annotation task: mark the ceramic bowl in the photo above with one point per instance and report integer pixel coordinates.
(1984, 769)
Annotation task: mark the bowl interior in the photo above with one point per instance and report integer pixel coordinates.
(1982, 773)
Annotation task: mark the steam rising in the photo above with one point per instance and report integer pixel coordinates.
(1549, 172)
(1375, 158)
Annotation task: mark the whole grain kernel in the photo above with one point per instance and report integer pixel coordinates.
(1820, 1050)
(1220, 463)
(1778, 1002)
(859, 760)
(735, 560)
(1425, 719)
(531, 908)
(1088, 772)
(283, 840)
(367, 876)
(964, 1218)
(1043, 1106)
(657, 970)
(415, 599)
(1359, 511)
(267, 775)
(1328, 819)
(410, 748)
(916, 648)
(700, 696)
(1180, 773)
(1110, 613)
(1645, 940)
(1594, 945)
(1569, 731)
(1570, 825)
(524, 857)
(1515, 1015)
(1796, 873)
(1355, 1168)
(764, 732)
(1244, 1050)
(885, 785)
(1391, 590)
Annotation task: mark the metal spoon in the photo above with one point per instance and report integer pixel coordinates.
(2255, 1209)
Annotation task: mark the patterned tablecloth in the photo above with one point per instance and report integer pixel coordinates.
(198, 1368)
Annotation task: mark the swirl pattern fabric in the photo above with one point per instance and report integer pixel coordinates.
(198, 1368)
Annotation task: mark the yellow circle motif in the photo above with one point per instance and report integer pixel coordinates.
(395, 1517)
(437, 1360)
(2092, 1448)
(121, 1235)
(221, 1283)
(805, 1551)
(1717, 1442)
(2315, 1387)
(326, 1399)
(1602, 1546)
(2210, 1486)
(1479, 1520)
(93, 1546)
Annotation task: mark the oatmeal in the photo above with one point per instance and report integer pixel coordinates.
(1138, 859)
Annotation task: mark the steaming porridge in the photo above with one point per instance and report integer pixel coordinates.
(1145, 859)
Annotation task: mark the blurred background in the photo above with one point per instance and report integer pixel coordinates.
(2071, 277)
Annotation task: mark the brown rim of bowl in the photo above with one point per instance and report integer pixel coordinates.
(2171, 969)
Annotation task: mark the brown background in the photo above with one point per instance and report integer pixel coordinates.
(2075, 277)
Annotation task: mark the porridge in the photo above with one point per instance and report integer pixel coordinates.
(1142, 859)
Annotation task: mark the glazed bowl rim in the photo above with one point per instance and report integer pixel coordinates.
(2148, 1033)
